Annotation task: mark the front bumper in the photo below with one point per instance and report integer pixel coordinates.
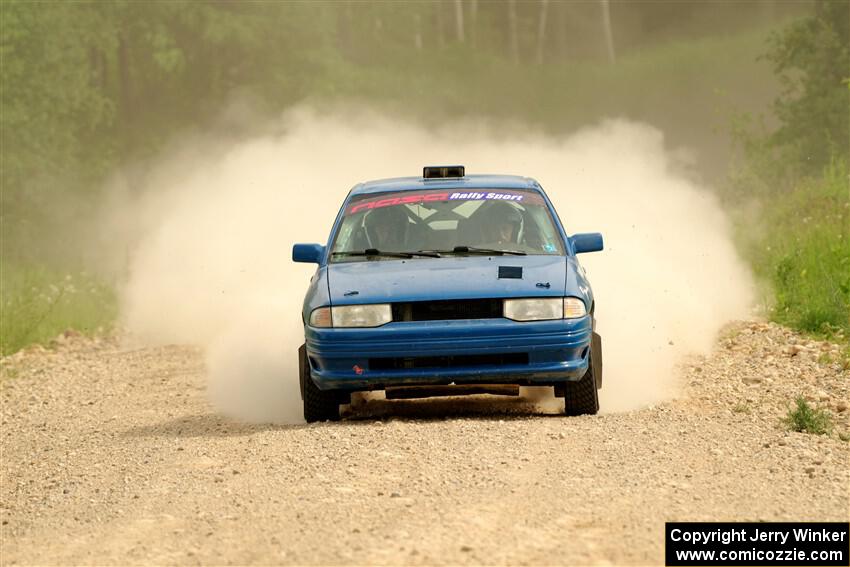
(550, 352)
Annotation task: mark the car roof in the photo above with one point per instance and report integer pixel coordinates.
(466, 182)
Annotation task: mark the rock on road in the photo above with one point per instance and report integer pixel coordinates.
(114, 456)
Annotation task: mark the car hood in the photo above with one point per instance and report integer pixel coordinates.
(454, 277)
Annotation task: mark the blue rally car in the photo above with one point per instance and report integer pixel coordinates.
(448, 284)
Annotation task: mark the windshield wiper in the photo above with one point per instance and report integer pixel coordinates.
(476, 250)
(386, 253)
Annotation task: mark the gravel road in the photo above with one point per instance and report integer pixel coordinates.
(112, 455)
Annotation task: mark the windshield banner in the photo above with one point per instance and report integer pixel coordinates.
(431, 196)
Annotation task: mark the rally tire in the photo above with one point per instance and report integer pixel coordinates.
(582, 397)
(319, 405)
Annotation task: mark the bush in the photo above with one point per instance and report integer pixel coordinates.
(805, 419)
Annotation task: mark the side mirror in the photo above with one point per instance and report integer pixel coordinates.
(586, 242)
(309, 253)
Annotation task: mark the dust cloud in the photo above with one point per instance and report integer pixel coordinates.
(213, 231)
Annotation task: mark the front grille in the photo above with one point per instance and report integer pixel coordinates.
(407, 362)
(447, 310)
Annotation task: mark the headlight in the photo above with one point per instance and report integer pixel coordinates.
(544, 309)
(361, 315)
(534, 309)
(352, 316)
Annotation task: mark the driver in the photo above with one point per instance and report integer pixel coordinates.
(503, 223)
(387, 228)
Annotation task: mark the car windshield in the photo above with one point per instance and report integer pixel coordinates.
(445, 222)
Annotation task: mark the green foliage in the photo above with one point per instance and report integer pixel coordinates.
(87, 86)
(805, 253)
(50, 101)
(803, 418)
(792, 193)
(37, 304)
(811, 57)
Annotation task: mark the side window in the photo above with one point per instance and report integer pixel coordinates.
(540, 231)
(346, 232)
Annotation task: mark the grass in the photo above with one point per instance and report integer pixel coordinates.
(825, 358)
(741, 408)
(805, 419)
(37, 303)
(730, 333)
(803, 253)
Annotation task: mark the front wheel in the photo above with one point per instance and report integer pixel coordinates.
(582, 397)
(319, 405)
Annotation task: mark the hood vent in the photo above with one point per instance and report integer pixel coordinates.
(510, 272)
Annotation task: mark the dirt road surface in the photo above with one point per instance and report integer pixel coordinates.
(113, 456)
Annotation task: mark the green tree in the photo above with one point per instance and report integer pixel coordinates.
(49, 95)
(811, 57)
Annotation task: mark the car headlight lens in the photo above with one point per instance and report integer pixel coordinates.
(352, 316)
(544, 309)
(361, 315)
(574, 308)
(534, 309)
